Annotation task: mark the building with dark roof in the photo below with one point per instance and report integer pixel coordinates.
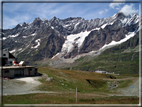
(7, 57)
(18, 71)
(10, 70)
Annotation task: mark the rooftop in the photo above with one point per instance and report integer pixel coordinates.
(15, 67)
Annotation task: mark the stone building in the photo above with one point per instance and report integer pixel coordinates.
(18, 71)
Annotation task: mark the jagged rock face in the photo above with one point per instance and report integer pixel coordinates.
(49, 46)
(97, 39)
(69, 37)
(53, 44)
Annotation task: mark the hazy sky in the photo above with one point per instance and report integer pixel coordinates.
(15, 13)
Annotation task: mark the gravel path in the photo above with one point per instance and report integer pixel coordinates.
(132, 90)
(19, 86)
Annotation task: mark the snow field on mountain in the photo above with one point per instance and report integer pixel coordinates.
(38, 43)
(113, 43)
(78, 38)
(74, 38)
(12, 51)
(29, 36)
(52, 27)
(33, 34)
(4, 38)
(11, 36)
(55, 55)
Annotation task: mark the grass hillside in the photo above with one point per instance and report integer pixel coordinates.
(122, 59)
(68, 80)
(122, 63)
(86, 82)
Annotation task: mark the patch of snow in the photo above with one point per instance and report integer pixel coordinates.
(38, 43)
(96, 29)
(20, 49)
(44, 19)
(137, 19)
(66, 25)
(76, 25)
(55, 56)
(103, 26)
(52, 27)
(33, 34)
(124, 21)
(20, 24)
(13, 36)
(25, 36)
(113, 43)
(70, 39)
(12, 51)
(134, 18)
(68, 45)
(4, 38)
(111, 23)
(114, 16)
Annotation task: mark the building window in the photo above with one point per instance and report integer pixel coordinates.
(30, 69)
(4, 54)
(6, 71)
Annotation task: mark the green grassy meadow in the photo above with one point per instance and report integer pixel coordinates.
(68, 98)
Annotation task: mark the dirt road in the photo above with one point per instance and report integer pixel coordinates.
(132, 90)
(24, 85)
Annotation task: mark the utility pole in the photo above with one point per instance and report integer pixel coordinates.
(76, 94)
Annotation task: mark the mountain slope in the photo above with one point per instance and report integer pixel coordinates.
(68, 39)
(122, 59)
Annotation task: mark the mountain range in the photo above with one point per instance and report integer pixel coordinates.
(63, 41)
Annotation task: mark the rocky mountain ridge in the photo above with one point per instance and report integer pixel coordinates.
(67, 39)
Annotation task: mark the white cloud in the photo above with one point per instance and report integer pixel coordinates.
(115, 5)
(106, 10)
(103, 11)
(117, 8)
(128, 9)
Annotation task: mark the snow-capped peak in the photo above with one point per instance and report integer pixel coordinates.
(44, 19)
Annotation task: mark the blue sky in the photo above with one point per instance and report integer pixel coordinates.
(15, 13)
